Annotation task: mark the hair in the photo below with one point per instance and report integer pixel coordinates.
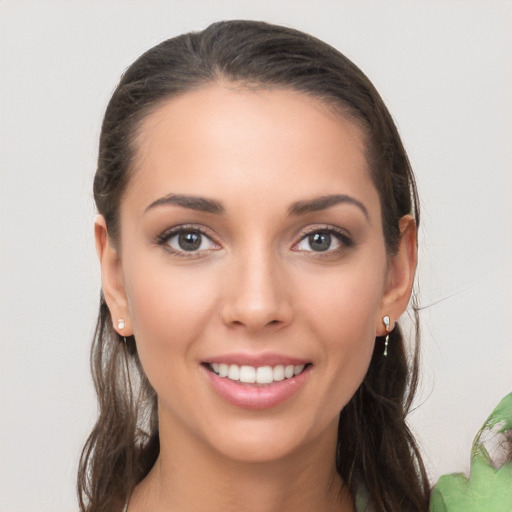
(375, 448)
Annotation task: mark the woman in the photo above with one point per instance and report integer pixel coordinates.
(257, 240)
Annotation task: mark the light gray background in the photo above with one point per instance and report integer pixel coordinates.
(444, 69)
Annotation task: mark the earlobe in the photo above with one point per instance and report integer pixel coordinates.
(401, 270)
(112, 281)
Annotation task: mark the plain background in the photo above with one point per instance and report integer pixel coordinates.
(444, 69)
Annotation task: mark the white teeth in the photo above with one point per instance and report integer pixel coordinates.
(278, 372)
(264, 375)
(234, 372)
(259, 375)
(247, 374)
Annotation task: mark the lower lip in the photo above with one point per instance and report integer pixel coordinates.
(256, 396)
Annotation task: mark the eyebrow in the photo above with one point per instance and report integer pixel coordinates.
(192, 202)
(324, 202)
(299, 208)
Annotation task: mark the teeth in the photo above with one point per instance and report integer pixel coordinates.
(264, 375)
(223, 370)
(278, 372)
(247, 374)
(234, 372)
(259, 375)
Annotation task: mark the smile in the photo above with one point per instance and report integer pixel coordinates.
(256, 375)
(269, 381)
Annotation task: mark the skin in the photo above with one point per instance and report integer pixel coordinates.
(255, 286)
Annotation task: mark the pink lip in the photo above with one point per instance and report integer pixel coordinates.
(256, 396)
(264, 359)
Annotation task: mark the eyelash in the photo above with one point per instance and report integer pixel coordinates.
(166, 236)
(341, 236)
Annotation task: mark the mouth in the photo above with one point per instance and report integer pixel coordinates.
(256, 382)
(256, 374)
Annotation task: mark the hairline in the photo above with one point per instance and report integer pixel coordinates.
(335, 108)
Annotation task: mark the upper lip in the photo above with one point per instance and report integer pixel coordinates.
(256, 360)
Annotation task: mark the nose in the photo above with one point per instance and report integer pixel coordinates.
(257, 294)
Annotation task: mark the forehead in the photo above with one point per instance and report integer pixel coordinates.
(222, 140)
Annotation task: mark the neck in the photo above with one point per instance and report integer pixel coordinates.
(189, 477)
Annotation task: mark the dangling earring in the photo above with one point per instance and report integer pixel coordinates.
(120, 324)
(385, 320)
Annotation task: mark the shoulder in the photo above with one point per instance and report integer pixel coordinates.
(489, 486)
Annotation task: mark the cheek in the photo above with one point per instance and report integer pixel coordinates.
(345, 303)
(169, 309)
(343, 311)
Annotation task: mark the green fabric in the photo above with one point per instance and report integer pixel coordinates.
(362, 499)
(488, 488)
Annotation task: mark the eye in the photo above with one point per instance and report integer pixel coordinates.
(185, 240)
(323, 240)
(318, 242)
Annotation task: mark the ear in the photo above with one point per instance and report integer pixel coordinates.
(400, 275)
(112, 280)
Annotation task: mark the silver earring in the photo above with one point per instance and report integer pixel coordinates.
(385, 321)
(120, 324)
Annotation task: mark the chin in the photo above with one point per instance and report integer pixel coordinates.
(258, 442)
(258, 451)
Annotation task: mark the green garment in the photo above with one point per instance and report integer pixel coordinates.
(488, 489)
(362, 500)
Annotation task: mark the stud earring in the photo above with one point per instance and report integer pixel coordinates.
(385, 321)
(120, 324)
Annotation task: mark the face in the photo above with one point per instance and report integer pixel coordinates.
(251, 245)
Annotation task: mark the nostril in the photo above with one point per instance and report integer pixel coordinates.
(239, 322)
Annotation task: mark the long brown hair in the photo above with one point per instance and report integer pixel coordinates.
(375, 447)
